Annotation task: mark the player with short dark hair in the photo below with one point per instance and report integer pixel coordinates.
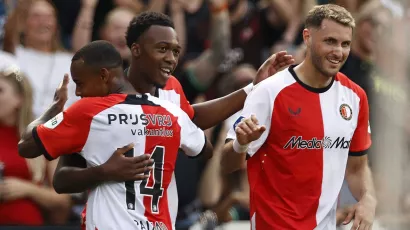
(143, 22)
(155, 52)
(109, 115)
(303, 130)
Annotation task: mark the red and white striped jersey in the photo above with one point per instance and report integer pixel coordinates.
(95, 127)
(174, 93)
(296, 168)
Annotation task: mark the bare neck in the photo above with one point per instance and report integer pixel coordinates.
(137, 80)
(310, 76)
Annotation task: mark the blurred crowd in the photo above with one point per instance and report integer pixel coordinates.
(222, 49)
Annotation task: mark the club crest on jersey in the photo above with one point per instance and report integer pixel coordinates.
(346, 112)
(55, 121)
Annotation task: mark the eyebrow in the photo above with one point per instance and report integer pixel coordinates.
(168, 43)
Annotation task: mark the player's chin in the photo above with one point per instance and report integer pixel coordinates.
(160, 83)
(161, 80)
(332, 70)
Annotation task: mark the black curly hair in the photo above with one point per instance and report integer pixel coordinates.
(143, 22)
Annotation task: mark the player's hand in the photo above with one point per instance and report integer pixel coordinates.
(120, 168)
(272, 65)
(248, 130)
(61, 94)
(14, 189)
(363, 214)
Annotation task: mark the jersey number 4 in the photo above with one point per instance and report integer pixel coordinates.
(155, 191)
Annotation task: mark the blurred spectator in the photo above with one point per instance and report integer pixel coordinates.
(359, 64)
(69, 10)
(6, 60)
(352, 6)
(24, 196)
(227, 195)
(31, 34)
(113, 30)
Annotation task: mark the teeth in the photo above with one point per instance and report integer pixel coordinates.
(168, 71)
(334, 61)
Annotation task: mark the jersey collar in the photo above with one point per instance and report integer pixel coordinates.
(310, 88)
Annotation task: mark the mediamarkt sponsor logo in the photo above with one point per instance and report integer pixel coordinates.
(314, 143)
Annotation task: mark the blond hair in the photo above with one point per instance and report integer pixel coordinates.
(22, 86)
(329, 11)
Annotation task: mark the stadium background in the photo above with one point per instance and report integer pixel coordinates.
(238, 41)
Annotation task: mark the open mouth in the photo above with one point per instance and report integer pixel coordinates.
(334, 61)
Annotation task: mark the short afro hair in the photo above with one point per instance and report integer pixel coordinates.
(143, 22)
(101, 54)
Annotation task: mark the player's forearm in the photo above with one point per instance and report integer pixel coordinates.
(27, 146)
(76, 180)
(211, 113)
(231, 161)
(361, 183)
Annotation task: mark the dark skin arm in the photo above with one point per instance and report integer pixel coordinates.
(208, 150)
(73, 176)
(211, 113)
(27, 147)
(226, 106)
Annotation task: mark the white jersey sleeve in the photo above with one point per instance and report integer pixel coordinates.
(259, 103)
(193, 139)
(231, 123)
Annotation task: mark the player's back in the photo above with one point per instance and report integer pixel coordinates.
(156, 127)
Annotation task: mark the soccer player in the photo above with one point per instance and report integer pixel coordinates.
(109, 115)
(302, 129)
(154, 47)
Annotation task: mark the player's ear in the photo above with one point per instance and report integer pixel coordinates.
(105, 75)
(135, 50)
(307, 37)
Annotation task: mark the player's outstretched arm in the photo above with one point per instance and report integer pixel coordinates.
(210, 113)
(27, 146)
(208, 150)
(72, 176)
(234, 152)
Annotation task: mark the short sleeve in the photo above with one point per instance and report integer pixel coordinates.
(65, 133)
(193, 139)
(231, 124)
(184, 103)
(259, 103)
(361, 140)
